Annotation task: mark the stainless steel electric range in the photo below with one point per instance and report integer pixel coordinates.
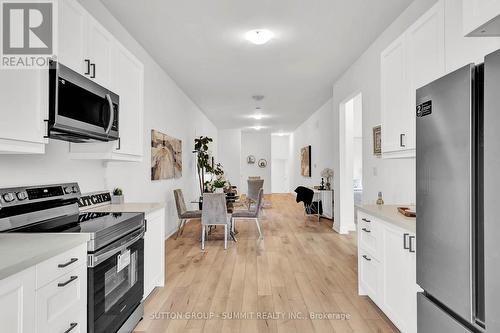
(115, 250)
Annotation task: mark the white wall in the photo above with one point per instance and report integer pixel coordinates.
(229, 154)
(257, 144)
(315, 131)
(166, 108)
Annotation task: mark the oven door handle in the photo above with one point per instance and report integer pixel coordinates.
(95, 259)
(111, 113)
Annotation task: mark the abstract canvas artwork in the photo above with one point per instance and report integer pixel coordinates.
(166, 156)
(305, 161)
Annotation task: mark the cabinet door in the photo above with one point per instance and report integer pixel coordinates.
(62, 303)
(24, 95)
(99, 51)
(154, 252)
(394, 94)
(426, 59)
(127, 74)
(370, 275)
(72, 35)
(17, 302)
(477, 13)
(396, 267)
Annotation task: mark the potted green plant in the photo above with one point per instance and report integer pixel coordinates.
(117, 197)
(219, 183)
(204, 163)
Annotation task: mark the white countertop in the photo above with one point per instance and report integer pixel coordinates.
(390, 214)
(21, 251)
(132, 207)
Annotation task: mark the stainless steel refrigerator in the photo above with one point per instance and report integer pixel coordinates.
(458, 200)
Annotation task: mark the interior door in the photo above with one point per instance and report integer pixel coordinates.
(444, 187)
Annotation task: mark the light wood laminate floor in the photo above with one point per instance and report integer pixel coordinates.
(300, 267)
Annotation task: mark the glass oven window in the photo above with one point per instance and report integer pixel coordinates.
(117, 284)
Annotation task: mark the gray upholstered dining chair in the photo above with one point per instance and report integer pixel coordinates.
(254, 186)
(214, 213)
(182, 213)
(250, 214)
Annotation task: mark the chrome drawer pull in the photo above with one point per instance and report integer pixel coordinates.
(71, 326)
(71, 279)
(73, 260)
(366, 230)
(366, 258)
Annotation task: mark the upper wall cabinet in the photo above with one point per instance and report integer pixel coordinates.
(24, 97)
(481, 17)
(84, 45)
(414, 59)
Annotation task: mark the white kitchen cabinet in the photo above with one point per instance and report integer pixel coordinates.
(154, 251)
(72, 33)
(426, 59)
(62, 303)
(17, 306)
(99, 51)
(127, 80)
(394, 94)
(387, 270)
(414, 59)
(25, 104)
(481, 17)
(84, 45)
(397, 268)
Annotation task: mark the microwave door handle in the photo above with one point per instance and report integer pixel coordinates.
(111, 113)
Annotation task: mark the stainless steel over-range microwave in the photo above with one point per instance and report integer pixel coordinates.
(80, 110)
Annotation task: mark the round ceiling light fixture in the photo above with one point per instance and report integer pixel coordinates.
(259, 36)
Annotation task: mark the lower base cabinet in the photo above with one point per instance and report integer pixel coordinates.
(48, 297)
(154, 251)
(387, 270)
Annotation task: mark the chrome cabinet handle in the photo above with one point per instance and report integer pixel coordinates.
(71, 279)
(405, 245)
(111, 113)
(366, 258)
(363, 219)
(401, 136)
(71, 327)
(366, 230)
(411, 244)
(72, 261)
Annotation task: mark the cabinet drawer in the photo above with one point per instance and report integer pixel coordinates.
(370, 274)
(61, 304)
(368, 234)
(60, 265)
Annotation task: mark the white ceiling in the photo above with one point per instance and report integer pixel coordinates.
(201, 45)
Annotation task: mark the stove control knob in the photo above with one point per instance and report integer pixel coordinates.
(22, 196)
(8, 197)
(67, 190)
(75, 189)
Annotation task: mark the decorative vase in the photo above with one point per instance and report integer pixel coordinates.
(380, 201)
(117, 199)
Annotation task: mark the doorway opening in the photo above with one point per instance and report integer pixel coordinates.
(351, 162)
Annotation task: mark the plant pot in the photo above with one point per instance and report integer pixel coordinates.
(117, 199)
(219, 190)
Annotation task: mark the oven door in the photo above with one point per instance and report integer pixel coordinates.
(115, 283)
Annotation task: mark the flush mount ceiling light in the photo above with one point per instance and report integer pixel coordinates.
(259, 36)
(257, 128)
(257, 116)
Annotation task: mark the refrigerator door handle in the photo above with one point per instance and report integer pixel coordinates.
(405, 244)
